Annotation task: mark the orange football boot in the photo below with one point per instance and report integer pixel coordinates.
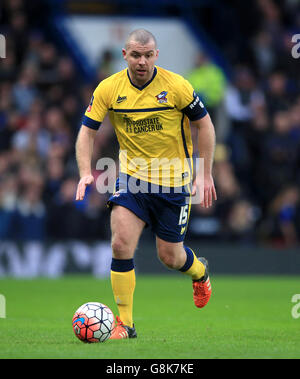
(202, 287)
(121, 331)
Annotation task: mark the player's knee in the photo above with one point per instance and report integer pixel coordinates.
(120, 248)
(168, 258)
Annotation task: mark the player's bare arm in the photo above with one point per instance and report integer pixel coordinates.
(206, 147)
(84, 151)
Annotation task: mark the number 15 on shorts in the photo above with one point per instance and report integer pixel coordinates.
(183, 215)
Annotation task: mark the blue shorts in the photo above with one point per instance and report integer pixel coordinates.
(166, 213)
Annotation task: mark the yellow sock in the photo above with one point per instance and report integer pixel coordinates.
(123, 285)
(193, 267)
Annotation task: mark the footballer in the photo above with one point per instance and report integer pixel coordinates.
(152, 111)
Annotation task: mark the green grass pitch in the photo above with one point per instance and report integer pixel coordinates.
(247, 317)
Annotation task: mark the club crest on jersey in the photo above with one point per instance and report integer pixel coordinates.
(90, 105)
(162, 97)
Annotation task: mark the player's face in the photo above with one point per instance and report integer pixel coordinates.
(140, 60)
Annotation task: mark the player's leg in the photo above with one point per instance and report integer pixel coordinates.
(179, 257)
(126, 230)
(176, 256)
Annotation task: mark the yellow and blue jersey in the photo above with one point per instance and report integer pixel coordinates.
(151, 123)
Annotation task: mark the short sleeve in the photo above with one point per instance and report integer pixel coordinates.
(97, 109)
(189, 102)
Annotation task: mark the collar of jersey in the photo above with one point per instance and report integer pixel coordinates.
(146, 84)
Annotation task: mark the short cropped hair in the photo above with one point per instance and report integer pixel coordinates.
(142, 36)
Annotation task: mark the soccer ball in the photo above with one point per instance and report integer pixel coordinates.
(93, 322)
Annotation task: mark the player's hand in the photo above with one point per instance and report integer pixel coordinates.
(83, 183)
(208, 188)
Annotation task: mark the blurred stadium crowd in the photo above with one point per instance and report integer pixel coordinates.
(256, 113)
